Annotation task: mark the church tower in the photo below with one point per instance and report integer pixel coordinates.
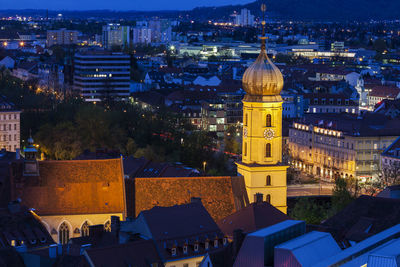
(261, 163)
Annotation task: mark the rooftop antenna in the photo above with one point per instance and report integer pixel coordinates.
(263, 37)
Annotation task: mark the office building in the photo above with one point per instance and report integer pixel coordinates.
(100, 75)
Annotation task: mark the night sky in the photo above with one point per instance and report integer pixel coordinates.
(114, 4)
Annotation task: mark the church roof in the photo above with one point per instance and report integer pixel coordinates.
(75, 187)
(220, 196)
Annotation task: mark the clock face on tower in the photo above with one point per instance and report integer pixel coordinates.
(269, 134)
(245, 131)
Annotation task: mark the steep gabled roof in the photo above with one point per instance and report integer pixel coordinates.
(252, 218)
(75, 187)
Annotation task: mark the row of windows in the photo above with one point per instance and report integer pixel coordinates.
(331, 101)
(268, 152)
(9, 147)
(9, 128)
(268, 120)
(9, 138)
(64, 231)
(9, 116)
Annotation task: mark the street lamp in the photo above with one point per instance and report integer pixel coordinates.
(204, 166)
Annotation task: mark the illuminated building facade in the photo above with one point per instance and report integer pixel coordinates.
(261, 163)
(9, 126)
(339, 145)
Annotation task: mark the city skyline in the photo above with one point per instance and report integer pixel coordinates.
(120, 5)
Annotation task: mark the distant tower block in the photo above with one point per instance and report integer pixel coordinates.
(261, 163)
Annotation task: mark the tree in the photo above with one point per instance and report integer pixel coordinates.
(342, 195)
(310, 211)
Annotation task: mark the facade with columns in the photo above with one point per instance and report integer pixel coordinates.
(261, 163)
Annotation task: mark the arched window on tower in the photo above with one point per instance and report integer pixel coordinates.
(63, 233)
(268, 150)
(85, 229)
(246, 118)
(268, 182)
(245, 149)
(268, 121)
(268, 198)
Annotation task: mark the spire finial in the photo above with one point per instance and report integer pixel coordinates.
(263, 38)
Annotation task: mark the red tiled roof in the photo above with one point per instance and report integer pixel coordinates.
(76, 187)
(384, 91)
(221, 196)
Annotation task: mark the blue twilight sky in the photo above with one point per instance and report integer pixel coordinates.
(114, 4)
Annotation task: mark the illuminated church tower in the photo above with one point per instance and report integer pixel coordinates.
(261, 164)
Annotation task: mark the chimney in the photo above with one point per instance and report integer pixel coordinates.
(258, 198)
(96, 230)
(115, 225)
(196, 200)
(238, 237)
(53, 251)
(17, 154)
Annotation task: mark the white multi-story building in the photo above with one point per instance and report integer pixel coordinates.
(9, 126)
(245, 18)
(341, 145)
(141, 35)
(62, 37)
(100, 75)
(116, 35)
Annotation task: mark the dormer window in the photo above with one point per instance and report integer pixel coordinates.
(225, 241)
(331, 101)
(206, 245)
(315, 101)
(339, 101)
(216, 243)
(196, 247)
(173, 251)
(323, 101)
(185, 249)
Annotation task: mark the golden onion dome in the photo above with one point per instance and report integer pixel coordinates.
(263, 78)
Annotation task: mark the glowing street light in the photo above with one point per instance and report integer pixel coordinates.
(21, 44)
(5, 44)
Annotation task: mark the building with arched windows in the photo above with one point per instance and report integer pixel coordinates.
(261, 163)
(69, 196)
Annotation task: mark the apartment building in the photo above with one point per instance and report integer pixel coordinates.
(62, 37)
(116, 35)
(9, 125)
